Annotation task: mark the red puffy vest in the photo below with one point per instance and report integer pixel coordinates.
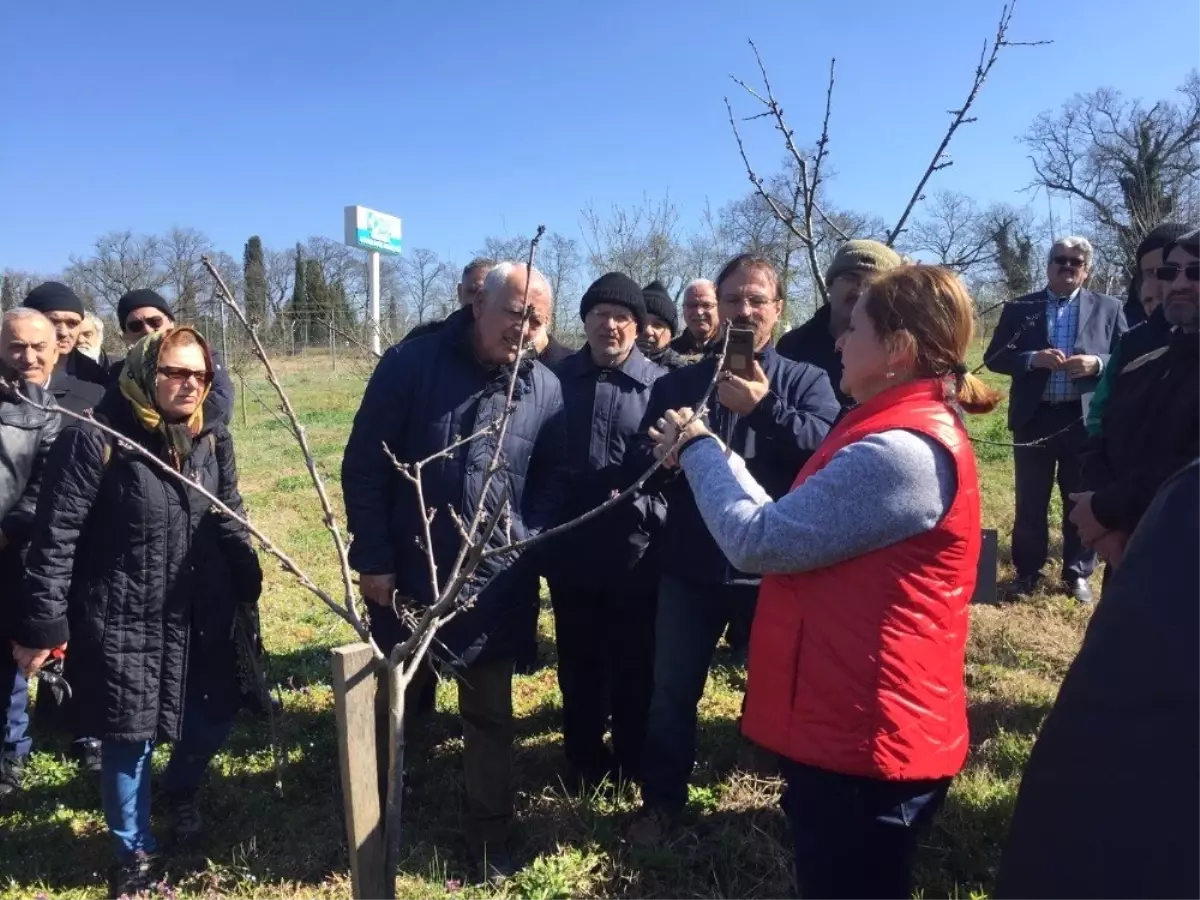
(857, 667)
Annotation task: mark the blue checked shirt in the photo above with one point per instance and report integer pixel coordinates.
(1062, 322)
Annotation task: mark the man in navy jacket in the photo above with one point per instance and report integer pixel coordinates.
(774, 421)
(425, 395)
(602, 579)
(1054, 344)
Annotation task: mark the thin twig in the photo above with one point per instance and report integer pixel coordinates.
(984, 67)
(328, 518)
(355, 341)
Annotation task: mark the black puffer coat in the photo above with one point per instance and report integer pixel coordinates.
(140, 575)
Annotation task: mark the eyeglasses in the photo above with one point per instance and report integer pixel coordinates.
(171, 373)
(1170, 272)
(150, 323)
(1074, 262)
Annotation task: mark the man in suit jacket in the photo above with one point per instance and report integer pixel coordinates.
(1053, 344)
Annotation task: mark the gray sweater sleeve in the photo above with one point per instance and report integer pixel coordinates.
(877, 491)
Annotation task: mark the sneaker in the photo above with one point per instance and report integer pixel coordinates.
(87, 753)
(132, 878)
(189, 824)
(650, 826)
(11, 769)
(497, 866)
(1080, 590)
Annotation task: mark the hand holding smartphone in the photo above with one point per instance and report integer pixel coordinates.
(739, 353)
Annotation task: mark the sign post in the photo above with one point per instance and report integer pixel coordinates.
(376, 233)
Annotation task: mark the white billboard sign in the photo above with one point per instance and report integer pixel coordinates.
(369, 229)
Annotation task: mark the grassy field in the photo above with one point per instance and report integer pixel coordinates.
(52, 840)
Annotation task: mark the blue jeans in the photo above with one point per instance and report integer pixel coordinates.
(16, 724)
(691, 618)
(125, 777)
(855, 836)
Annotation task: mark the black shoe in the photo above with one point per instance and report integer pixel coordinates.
(132, 878)
(1022, 586)
(87, 752)
(497, 866)
(11, 769)
(1080, 590)
(651, 826)
(188, 823)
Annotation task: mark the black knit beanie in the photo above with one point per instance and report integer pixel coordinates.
(659, 303)
(615, 288)
(54, 296)
(1160, 237)
(140, 299)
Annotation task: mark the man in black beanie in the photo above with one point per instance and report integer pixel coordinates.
(62, 306)
(662, 321)
(143, 311)
(603, 584)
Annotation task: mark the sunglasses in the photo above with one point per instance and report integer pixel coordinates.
(1170, 272)
(150, 323)
(1073, 261)
(171, 373)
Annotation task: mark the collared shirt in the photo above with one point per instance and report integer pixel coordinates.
(1062, 323)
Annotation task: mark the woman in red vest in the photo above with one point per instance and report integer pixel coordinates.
(857, 650)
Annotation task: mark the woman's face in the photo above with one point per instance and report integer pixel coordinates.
(182, 377)
(866, 359)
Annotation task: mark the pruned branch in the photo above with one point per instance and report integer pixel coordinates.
(959, 116)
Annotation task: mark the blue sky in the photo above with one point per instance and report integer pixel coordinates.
(470, 119)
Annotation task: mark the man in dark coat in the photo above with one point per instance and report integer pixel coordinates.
(700, 320)
(602, 580)
(1148, 328)
(26, 435)
(58, 303)
(424, 395)
(143, 312)
(1108, 802)
(662, 322)
(774, 421)
(1054, 345)
(814, 341)
(1151, 423)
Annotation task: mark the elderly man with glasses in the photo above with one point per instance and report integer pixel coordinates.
(1054, 345)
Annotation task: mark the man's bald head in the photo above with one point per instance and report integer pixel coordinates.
(28, 344)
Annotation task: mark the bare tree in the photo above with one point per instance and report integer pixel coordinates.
(120, 262)
(641, 241)
(503, 249)
(1130, 166)
(281, 277)
(954, 231)
(800, 205)
(561, 264)
(421, 272)
(179, 253)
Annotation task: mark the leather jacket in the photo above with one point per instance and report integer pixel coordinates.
(26, 435)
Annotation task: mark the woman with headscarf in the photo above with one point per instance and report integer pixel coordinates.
(155, 591)
(857, 649)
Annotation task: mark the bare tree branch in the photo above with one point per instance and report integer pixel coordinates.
(959, 116)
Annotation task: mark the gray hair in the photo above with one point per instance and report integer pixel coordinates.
(500, 274)
(698, 283)
(96, 321)
(1075, 242)
(23, 314)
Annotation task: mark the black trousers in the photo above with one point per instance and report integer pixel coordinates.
(1037, 469)
(605, 636)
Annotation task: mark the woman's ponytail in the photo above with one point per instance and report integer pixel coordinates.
(973, 395)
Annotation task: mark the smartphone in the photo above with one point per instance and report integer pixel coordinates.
(739, 352)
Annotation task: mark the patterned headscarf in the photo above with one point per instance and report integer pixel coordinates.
(139, 385)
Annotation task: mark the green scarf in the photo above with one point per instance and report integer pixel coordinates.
(139, 385)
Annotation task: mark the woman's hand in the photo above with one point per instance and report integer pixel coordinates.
(676, 427)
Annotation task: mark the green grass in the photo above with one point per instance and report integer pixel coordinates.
(259, 845)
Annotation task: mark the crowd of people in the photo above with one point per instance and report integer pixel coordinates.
(819, 507)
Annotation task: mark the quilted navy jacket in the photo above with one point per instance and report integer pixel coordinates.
(140, 575)
(424, 395)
